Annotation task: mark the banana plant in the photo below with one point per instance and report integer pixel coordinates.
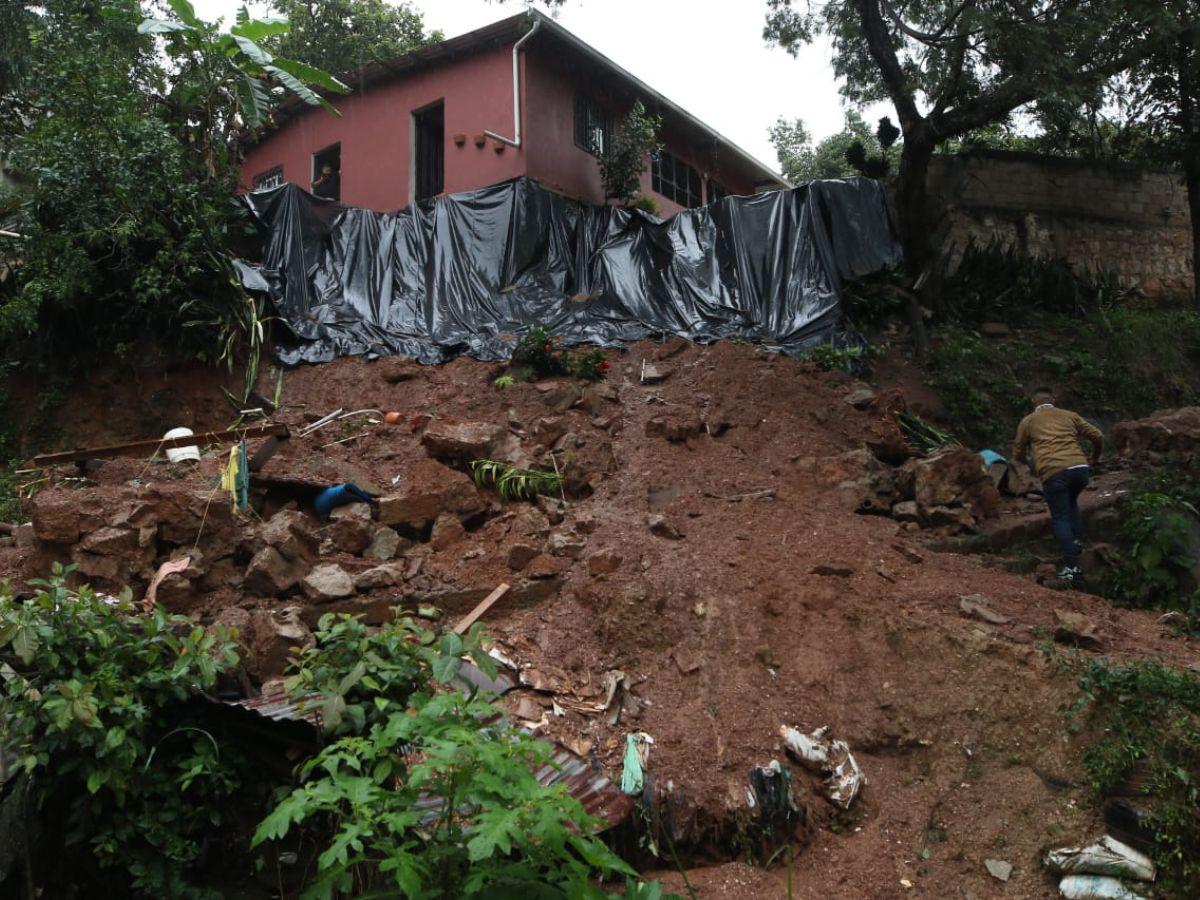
(215, 68)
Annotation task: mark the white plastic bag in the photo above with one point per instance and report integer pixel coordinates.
(1107, 856)
(1095, 887)
(832, 759)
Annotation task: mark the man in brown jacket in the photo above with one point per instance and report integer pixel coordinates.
(1054, 436)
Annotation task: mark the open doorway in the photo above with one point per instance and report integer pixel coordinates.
(429, 148)
(327, 172)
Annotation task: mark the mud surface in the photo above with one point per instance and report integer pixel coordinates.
(760, 598)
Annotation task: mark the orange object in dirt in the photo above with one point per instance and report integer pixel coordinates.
(392, 418)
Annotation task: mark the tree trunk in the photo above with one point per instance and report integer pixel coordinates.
(912, 219)
(1191, 175)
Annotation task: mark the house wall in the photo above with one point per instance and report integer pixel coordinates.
(375, 133)
(1095, 216)
(554, 158)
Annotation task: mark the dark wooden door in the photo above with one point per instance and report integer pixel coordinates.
(430, 127)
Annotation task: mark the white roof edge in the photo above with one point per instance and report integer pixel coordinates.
(644, 88)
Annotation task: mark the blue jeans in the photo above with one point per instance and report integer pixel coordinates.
(1062, 494)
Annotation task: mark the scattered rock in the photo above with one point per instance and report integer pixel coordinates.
(604, 562)
(998, 868)
(385, 544)
(543, 566)
(909, 553)
(275, 636)
(386, 575)
(562, 396)
(671, 348)
(664, 528)
(654, 374)
(1075, 628)
(528, 709)
(995, 329)
(832, 571)
(351, 529)
(906, 511)
(861, 398)
(270, 573)
(674, 429)
(463, 442)
(549, 429)
(290, 532)
(685, 661)
(520, 555)
(447, 531)
(597, 396)
(56, 518)
(975, 606)
(566, 544)
(326, 583)
(552, 507)
(954, 517)
(955, 478)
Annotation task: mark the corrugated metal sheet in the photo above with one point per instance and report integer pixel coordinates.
(279, 707)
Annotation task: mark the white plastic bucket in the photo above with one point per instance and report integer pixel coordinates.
(179, 454)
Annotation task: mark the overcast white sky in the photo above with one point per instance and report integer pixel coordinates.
(715, 65)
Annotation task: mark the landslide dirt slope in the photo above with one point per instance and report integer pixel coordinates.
(776, 604)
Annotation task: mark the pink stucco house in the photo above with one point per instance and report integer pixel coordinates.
(523, 96)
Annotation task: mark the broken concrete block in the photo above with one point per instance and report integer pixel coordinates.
(385, 544)
(270, 573)
(386, 575)
(326, 583)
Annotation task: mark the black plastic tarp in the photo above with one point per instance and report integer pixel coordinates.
(470, 272)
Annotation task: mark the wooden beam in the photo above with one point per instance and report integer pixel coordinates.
(141, 448)
(484, 605)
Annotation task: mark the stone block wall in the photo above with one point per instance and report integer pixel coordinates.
(1096, 216)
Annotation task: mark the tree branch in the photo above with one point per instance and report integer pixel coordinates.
(879, 43)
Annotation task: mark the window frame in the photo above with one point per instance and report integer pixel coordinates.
(590, 113)
(274, 175)
(676, 180)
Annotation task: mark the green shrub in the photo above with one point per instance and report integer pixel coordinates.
(431, 794)
(541, 352)
(1147, 714)
(514, 483)
(100, 708)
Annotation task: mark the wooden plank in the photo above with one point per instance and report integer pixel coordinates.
(140, 448)
(484, 605)
(265, 452)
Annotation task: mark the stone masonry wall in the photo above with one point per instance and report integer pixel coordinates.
(1094, 215)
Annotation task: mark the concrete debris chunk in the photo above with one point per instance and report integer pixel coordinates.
(663, 527)
(462, 442)
(270, 573)
(975, 606)
(385, 543)
(833, 759)
(382, 576)
(327, 583)
(998, 869)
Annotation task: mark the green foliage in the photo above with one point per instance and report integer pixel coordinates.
(432, 795)
(800, 161)
(646, 203)
(980, 386)
(504, 381)
(541, 352)
(341, 36)
(514, 483)
(125, 167)
(628, 154)
(1147, 714)
(828, 358)
(98, 707)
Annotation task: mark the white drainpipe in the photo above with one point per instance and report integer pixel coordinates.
(515, 140)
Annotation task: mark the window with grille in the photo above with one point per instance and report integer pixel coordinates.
(593, 125)
(268, 179)
(676, 180)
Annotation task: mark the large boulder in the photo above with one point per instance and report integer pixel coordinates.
(463, 441)
(428, 490)
(1173, 431)
(290, 533)
(955, 478)
(270, 573)
(58, 518)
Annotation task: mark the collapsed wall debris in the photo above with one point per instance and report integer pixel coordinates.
(466, 273)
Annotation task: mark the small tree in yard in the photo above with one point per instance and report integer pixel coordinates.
(628, 154)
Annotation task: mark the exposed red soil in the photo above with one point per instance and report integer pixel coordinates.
(728, 632)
